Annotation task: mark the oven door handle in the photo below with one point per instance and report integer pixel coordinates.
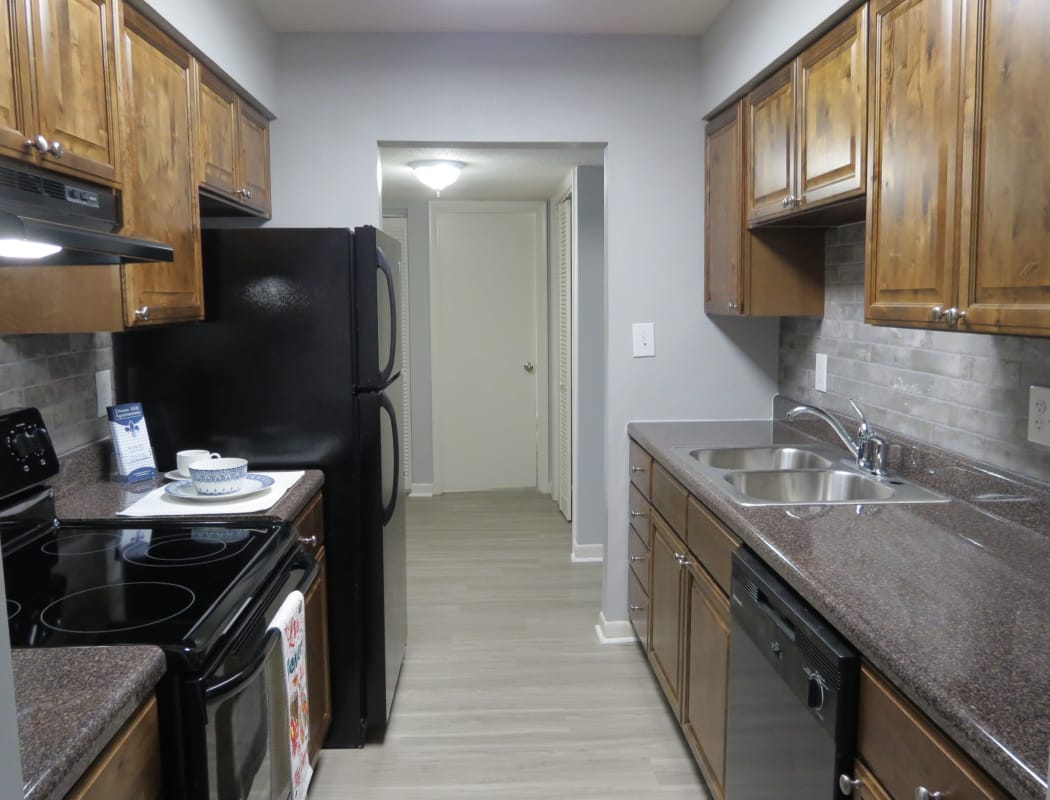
(307, 561)
(232, 684)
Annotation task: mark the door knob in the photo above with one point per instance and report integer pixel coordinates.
(529, 366)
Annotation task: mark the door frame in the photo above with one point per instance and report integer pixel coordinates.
(539, 209)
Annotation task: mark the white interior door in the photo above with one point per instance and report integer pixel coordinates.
(564, 377)
(486, 259)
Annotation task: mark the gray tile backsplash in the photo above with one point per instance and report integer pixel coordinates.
(56, 373)
(964, 392)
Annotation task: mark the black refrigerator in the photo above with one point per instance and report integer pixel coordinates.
(298, 365)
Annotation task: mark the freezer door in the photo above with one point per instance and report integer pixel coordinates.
(378, 304)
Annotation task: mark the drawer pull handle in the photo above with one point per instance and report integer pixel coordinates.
(922, 793)
(847, 784)
(637, 469)
(636, 559)
(639, 513)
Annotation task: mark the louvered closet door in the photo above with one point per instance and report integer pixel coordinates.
(565, 357)
(397, 227)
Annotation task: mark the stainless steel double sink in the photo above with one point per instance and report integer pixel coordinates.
(803, 475)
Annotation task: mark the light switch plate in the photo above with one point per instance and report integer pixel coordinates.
(103, 391)
(821, 377)
(1039, 415)
(644, 343)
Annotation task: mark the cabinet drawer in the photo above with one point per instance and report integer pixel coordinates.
(638, 509)
(638, 608)
(711, 543)
(670, 498)
(638, 556)
(905, 751)
(310, 524)
(641, 470)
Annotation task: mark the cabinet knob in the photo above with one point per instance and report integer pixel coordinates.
(784, 203)
(309, 541)
(637, 469)
(636, 514)
(682, 560)
(848, 784)
(38, 142)
(142, 313)
(731, 306)
(637, 608)
(937, 314)
(922, 793)
(57, 150)
(636, 559)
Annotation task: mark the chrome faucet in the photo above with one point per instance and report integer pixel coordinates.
(867, 448)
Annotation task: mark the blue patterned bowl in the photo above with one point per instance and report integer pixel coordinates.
(218, 476)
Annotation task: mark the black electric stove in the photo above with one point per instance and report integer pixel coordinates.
(202, 590)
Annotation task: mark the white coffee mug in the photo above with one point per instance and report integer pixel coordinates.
(184, 458)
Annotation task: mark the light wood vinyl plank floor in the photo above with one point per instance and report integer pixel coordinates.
(505, 691)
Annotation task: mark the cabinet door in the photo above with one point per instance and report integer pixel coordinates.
(217, 117)
(833, 114)
(1007, 285)
(255, 159)
(724, 213)
(771, 146)
(73, 54)
(915, 149)
(318, 679)
(706, 675)
(129, 768)
(160, 194)
(665, 594)
(869, 788)
(16, 106)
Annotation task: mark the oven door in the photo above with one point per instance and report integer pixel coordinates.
(247, 707)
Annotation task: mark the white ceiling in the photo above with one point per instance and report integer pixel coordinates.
(648, 17)
(495, 172)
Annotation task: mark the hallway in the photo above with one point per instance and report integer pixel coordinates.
(505, 692)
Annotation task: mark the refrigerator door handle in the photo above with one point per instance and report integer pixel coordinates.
(392, 292)
(388, 406)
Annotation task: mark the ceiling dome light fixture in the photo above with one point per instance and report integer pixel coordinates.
(437, 174)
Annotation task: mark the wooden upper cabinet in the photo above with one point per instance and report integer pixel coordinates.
(771, 129)
(160, 196)
(16, 99)
(74, 75)
(234, 148)
(1005, 281)
(723, 213)
(807, 127)
(916, 149)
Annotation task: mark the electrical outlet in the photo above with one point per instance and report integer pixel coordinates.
(644, 342)
(821, 375)
(103, 391)
(1039, 415)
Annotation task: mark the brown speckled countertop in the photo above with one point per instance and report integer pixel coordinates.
(71, 701)
(950, 601)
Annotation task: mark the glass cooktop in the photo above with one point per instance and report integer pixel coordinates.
(174, 585)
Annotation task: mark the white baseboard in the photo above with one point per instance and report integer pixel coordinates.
(617, 631)
(587, 553)
(422, 490)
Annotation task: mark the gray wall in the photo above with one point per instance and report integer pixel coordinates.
(591, 520)
(56, 373)
(964, 392)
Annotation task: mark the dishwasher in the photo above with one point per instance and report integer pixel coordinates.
(793, 683)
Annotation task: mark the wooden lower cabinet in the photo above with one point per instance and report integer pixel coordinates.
(310, 525)
(129, 767)
(665, 617)
(705, 672)
(638, 608)
(867, 786)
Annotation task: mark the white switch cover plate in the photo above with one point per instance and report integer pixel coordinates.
(1039, 415)
(821, 381)
(644, 343)
(103, 391)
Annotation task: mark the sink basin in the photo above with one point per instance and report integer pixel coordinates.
(762, 458)
(810, 486)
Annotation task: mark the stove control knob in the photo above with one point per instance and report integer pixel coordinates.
(22, 445)
(40, 440)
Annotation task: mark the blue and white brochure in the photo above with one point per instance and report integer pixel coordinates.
(133, 455)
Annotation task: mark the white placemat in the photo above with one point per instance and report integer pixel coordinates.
(159, 504)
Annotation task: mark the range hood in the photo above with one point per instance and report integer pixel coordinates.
(43, 208)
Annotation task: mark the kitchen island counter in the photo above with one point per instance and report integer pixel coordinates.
(949, 601)
(71, 701)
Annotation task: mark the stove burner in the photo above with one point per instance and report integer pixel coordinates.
(81, 544)
(86, 611)
(185, 550)
(13, 607)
